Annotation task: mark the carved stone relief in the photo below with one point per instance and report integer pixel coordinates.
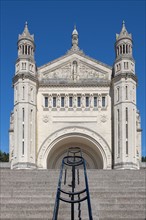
(103, 118)
(75, 70)
(63, 72)
(45, 118)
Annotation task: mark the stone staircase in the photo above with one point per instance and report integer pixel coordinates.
(115, 195)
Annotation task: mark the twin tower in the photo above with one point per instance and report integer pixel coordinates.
(112, 128)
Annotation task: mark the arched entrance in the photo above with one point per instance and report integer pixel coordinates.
(92, 155)
(95, 149)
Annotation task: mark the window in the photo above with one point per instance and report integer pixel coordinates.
(25, 49)
(23, 131)
(22, 49)
(46, 102)
(118, 94)
(126, 91)
(120, 49)
(23, 66)
(127, 48)
(23, 114)
(79, 101)
(31, 67)
(62, 101)
(23, 147)
(132, 67)
(126, 114)
(103, 101)
(95, 101)
(23, 134)
(23, 92)
(16, 94)
(126, 65)
(118, 135)
(118, 67)
(87, 101)
(124, 48)
(70, 101)
(31, 129)
(126, 130)
(126, 147)
(54, 102)
(17, 67)
(133, 94)
(31, 94)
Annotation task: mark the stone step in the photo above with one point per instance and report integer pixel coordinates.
(49, 206)
(115, 195)
(49, 195)
(122, 214)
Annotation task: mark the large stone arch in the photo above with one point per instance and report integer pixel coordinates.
(95, 149)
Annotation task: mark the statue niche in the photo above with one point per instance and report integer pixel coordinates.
(74, 70)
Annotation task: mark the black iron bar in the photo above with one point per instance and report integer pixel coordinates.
(74, 162)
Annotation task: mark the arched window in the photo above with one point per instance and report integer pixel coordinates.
(126, 92)
(127, 48)
(117, 51)
(130, 49)
(16, 94)
(118, 131)
(25, 49)
(28, 50)
(31, 130)
(22, 49)
(124, 49)
(126, 131)
(120, 49)
(23, 115)
(23, 130)
(23, 92)
(31, 94)
(118, 89)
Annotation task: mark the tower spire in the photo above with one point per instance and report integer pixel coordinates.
(124, 33)
(26, 34)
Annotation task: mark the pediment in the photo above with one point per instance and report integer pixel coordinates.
(74, 68)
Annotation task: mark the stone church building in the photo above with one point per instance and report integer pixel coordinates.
(75, 101)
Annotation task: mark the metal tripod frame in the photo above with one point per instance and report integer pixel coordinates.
(73, 161)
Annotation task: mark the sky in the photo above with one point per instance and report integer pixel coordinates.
(52, 23)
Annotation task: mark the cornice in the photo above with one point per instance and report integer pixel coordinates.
(123, 57)
(24, 76)
(124, 75)
(76, 84)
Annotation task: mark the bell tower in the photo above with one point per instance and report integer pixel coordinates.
(124, 103)
(25, 91)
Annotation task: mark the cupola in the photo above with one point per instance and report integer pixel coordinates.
(75, 40)
(123, 45)
(26, 46)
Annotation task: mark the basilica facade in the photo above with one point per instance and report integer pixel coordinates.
(75, 101)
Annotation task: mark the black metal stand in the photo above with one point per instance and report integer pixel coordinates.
(74, 161)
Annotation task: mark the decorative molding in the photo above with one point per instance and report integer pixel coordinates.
(58, 135)
(103, 118)
(45, 118)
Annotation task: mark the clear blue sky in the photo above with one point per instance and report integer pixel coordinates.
(52, 23)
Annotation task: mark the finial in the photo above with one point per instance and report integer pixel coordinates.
(123, 24)
(26, 23)
(75, 31)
